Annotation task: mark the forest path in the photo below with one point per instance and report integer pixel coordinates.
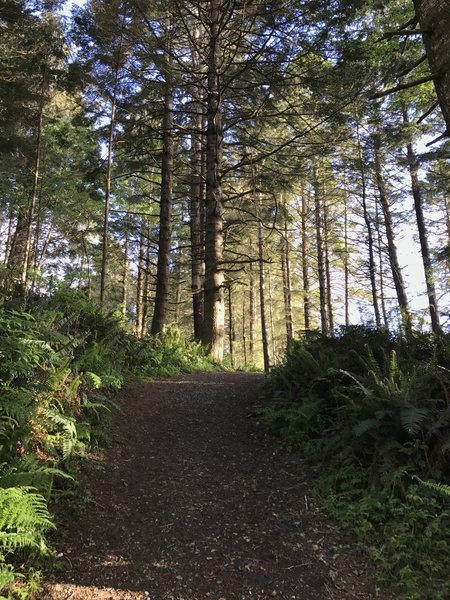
(195, 500)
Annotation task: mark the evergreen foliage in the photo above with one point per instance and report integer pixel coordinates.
(61, 362)
(373, 408)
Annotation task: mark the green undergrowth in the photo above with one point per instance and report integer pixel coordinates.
(61, 364)
(373, 411)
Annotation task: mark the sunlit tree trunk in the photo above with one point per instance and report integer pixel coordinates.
(326, 245)
(34, 189)
(390, 237)
(262, 297)
(381, 269)
(271, 318)
(346, 264)
(321, 271)
(9, 234)
(286, 274)
(422, 230)
(231, 330)
(165, 215)
(305, 263)
(109, 163)
(252, 310)
(368, 223)
(244, 330)
(147, 278)
(213, 323)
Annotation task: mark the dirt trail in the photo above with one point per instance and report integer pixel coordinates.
(197, 501)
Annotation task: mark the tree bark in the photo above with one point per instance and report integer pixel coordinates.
(346, 265)
(286, 274)
(197, 224)
(262, 297)
(125, 269)
(391, 245)
(320, 253)
(231, 331)
(367, 221)
(326, 238)
(140, 288)
(422, 229)
(381, 269)
(214, 318)
(165, 214)
(305, 264)
(109, 162)
(434, 20)
(252, 311)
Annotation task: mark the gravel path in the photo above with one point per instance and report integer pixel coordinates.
(195, 500)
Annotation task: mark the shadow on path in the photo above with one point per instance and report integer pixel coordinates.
(195, 500)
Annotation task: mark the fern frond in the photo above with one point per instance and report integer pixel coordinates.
(65, 425)
(24, 519)
(442, 488)
(22, 508)
(412, 418)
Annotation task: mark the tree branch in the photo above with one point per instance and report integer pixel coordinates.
(404, 86)
(429, 111)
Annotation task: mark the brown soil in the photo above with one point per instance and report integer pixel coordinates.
(196, 500)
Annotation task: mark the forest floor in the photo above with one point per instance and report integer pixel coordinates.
(196, 500)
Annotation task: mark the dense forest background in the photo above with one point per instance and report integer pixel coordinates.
(233, 169)
(193, 185)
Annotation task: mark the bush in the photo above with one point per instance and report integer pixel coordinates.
(60, 365)
(375, 409)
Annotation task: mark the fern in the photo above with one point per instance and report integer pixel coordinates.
(412, 418)
(24, 519)
(29, 471)
(442, 488)
(65, 427)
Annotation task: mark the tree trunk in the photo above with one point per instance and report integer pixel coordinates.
(9, 234)
(19, 259)
(125, 269)
(106, 209)
(381, 269)
(197, 221)
(326, 237)
(286, 274)
(271, 320)
(244, 331)
(147, 275)
(320, 254)
(231, 332)
(262, 297)
(197, 195)
(252, 311)
(392, 248)
(165, 216)
(421, 227)
(305, 262)
(140, 289)
(367, 221)
(434, 20)
(35, 185)
(109, 165)
(346, 264)
(213, 324)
